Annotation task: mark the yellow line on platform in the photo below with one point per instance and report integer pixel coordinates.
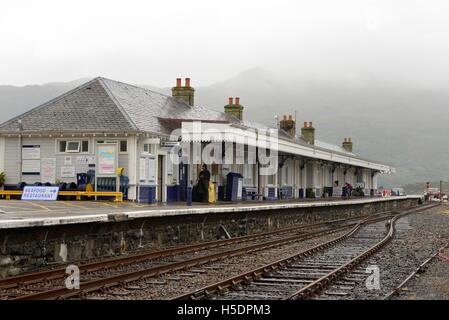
(109, 205)
(14, 207)
(70, 204)
(135, 205)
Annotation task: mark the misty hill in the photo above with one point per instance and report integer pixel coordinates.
(16, 100)
(402, 126)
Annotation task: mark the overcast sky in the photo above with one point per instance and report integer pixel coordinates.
(153, 42)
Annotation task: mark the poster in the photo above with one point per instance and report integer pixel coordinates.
(31, 167)
(31, 152)
(85, 160)
(107, 159)
(169, 164)
(67, 172)
(48, 170)
(239, 188)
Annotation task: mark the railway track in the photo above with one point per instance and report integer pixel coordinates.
(308, 273)
(59, 273)
(397, 291)
(48, 284)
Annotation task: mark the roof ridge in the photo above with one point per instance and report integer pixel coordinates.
(145, 89)
(116, 102)
(165, 95)
(55, 99)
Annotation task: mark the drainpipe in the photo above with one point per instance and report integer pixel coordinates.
(20, 150)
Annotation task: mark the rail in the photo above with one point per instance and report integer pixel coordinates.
(248, 277)
(95, 285)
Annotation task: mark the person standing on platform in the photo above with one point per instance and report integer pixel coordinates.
(203, 184)
(350, 188)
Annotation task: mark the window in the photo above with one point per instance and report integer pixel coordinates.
(62, 145)
(148, 148)
(123, 146)
(248, 174)
(270, 179)
(73, 146)
(85, 146)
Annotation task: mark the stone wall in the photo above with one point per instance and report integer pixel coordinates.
(28, 249)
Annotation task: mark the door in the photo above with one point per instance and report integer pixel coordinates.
(183, 180)
(160, 178)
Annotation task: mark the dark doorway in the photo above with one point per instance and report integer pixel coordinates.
(183, 180)
(160, 178)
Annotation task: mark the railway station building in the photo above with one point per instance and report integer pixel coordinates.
(152, 146)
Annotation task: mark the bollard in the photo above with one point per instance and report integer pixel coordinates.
(189, 195)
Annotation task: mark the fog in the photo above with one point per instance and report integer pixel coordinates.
(153, 42)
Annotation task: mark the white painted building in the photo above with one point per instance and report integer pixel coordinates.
(73, 134)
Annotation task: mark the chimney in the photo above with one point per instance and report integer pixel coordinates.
(308, 133)
(347, 144)
(288, 125)
(185, 93)
(234, 109)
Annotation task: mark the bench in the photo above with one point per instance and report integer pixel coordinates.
(252, 193)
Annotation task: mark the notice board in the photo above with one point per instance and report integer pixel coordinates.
(107, 159)
(31, 163)
(48, 170)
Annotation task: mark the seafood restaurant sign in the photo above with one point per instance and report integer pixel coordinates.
(40, 193)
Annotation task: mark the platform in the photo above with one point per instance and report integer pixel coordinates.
(22, 214)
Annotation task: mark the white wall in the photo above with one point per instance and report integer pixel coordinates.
(11, 160)
(2, 154)
(48, 149)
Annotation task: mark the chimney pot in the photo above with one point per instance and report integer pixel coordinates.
(285, 117)
(349, 140)
(185, 94)
(231, 102)
(290, 117)
(237, 100)
(308, 133)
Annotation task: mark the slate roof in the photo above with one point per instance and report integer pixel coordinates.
(87, 107)
(104, 105)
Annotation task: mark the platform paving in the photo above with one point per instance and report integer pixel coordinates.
(22, 214)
